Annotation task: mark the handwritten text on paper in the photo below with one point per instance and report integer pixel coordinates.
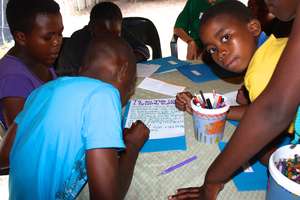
(160, 115)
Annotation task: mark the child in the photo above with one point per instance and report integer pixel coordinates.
(105, 18)
(257, 130)
(233, 48)
(232, 45)
(58, 147)
(37, 28)
(229, 33)
(239, 35)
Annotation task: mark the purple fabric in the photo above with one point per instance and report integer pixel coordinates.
(16, 80)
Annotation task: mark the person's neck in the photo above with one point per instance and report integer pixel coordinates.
(40, 70)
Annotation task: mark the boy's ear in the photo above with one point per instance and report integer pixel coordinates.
(122, 73)
(20, 38)
(254, 27)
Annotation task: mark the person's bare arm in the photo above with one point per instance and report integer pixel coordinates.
(6, 145)
(182, 35)
(11, 107)
(103, 175)
(109, 175)
(265, 119)
(192, 48)
(134, 138)
(236, 112)
(242, 96)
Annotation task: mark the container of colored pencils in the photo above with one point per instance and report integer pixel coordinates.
(284, 179)
(209, 116)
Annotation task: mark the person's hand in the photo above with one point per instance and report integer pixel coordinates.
(211, 1)
(242, 96)
(205, 192)
(183, 101)
(192, 50)
(136, 135)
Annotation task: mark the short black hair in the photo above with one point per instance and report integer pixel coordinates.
(107, 47)
(21, 14)
(105, 11)
(233, 8)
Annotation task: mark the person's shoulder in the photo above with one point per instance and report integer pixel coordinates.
(77, 42)
(92, 90)
(11, 60)
(10, 65)
(81, 35)
(103, 87)
(272, 43)
(87, 84)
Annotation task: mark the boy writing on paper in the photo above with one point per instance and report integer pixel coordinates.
(232, 36)
(53, 148)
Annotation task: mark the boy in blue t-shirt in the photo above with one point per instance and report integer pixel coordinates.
(53, 148)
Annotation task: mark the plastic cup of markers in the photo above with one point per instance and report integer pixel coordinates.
(280, 186)
(209, 124)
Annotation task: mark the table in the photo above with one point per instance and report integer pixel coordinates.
(147, 184)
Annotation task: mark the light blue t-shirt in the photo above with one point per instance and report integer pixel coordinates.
(60, 121)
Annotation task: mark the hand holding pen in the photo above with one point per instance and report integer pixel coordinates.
(183, 101)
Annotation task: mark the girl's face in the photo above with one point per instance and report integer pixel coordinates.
(44, 40)
(284, 10)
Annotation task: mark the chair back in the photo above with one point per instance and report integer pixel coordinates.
(145, 31)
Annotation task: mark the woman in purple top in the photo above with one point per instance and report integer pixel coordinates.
(37, 30)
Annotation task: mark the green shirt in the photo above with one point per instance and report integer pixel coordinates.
(189, 18)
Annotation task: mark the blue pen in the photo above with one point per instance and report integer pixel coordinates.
(172, 168)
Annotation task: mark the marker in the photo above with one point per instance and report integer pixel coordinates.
(172, 168)
(202, 96)
(219, 102)
(196, 101)
(208, 103)
(215, 101)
